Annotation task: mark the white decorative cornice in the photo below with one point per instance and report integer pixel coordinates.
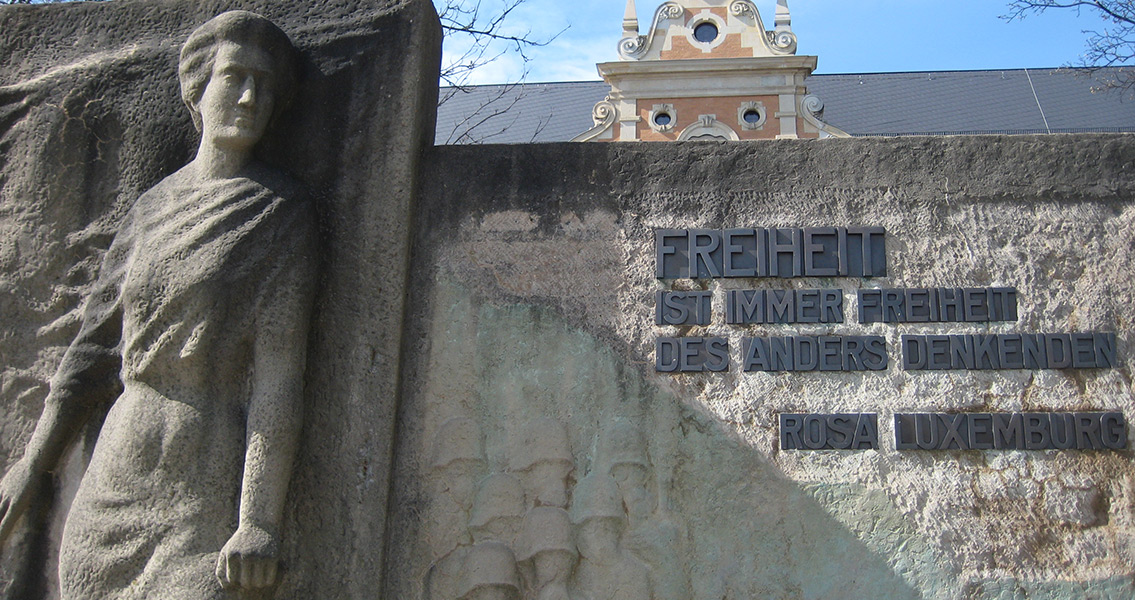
(634, 48)
(783, 16)
(630, 19)
(750, 106)
(741, 8)
(780, 41)
(813, 112)
(707, 126)
(669, 110)
(605, 114)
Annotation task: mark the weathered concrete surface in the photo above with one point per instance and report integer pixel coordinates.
(90, 117)
(533, 298)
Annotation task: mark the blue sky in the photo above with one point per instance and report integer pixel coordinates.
(849, 36)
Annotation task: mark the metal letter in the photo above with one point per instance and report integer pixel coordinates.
(866, 432)
(791, 251)
(666, 355)
(790, 428)
(705, 253)
(748, 306)
(938, 352)
(690, 355)
(808, 306)
(926, 432)
(780, 354)
(671, 254)
(740, 252)
(913, 352)
(756, 354)
(852, 352)
(893, 310)
(1113, 431)
(877, 359)
(840, 431)
(917, 305)
(950, 304)
(1032, 347)
(1105, 350)
(1083, 350)
(952, 432)
(805, 352)
(1088, 431)
(1010, 351)
(821, 260)
(815, 432)
(1007, 431)
(976, 304)
(984, 352)
(1036, 431)
(831, 306)
(870, 306)
(829, 351)
(904, 432)
(981, 431)
(1063, 430)
(781, 306)
(718, 349)
(961, 352)
(1058, 347)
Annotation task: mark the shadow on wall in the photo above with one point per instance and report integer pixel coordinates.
(519, 415)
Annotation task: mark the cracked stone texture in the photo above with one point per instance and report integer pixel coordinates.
(90, 117)
(533, 297)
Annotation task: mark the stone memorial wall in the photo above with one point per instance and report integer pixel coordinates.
(946, 419)
(858, 368)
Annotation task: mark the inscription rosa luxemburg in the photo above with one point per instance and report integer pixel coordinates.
(960, 431)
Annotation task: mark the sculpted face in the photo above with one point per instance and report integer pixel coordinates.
(547, 483)
(553, 565)
(238, 100)
(598, 537)
(632, 479)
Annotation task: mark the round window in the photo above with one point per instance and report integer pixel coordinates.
(705, 32)
(752, 116)
(663, 119)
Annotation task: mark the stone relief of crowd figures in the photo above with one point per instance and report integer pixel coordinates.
(527, 533)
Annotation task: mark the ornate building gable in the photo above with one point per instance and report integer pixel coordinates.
(708, 69)
(707, 29)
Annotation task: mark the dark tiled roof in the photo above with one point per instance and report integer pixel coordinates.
(931, 103)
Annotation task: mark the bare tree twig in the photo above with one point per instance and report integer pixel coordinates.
(1112, 45)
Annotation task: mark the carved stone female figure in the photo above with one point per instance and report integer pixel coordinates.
(196, 331)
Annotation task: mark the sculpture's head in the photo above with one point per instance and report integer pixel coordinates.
(238, 71)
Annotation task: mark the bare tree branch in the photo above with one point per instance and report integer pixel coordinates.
(478, 33)
(1112, 45)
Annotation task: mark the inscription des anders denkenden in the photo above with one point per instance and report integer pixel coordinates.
(779, 252)
(861, 252)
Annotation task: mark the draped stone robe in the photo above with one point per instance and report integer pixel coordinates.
(201, 277)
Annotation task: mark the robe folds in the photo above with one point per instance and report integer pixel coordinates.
(198, 272)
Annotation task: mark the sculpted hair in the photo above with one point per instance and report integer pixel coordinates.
(244, 28)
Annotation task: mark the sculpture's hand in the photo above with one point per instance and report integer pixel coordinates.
(249, 559)
(16, 491)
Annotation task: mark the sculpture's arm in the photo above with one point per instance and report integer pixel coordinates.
(87, 377)
(249, 559)
(53, 433)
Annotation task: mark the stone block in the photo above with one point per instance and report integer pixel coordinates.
(90, 117)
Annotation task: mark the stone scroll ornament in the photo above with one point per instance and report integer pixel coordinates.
(195, 334)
